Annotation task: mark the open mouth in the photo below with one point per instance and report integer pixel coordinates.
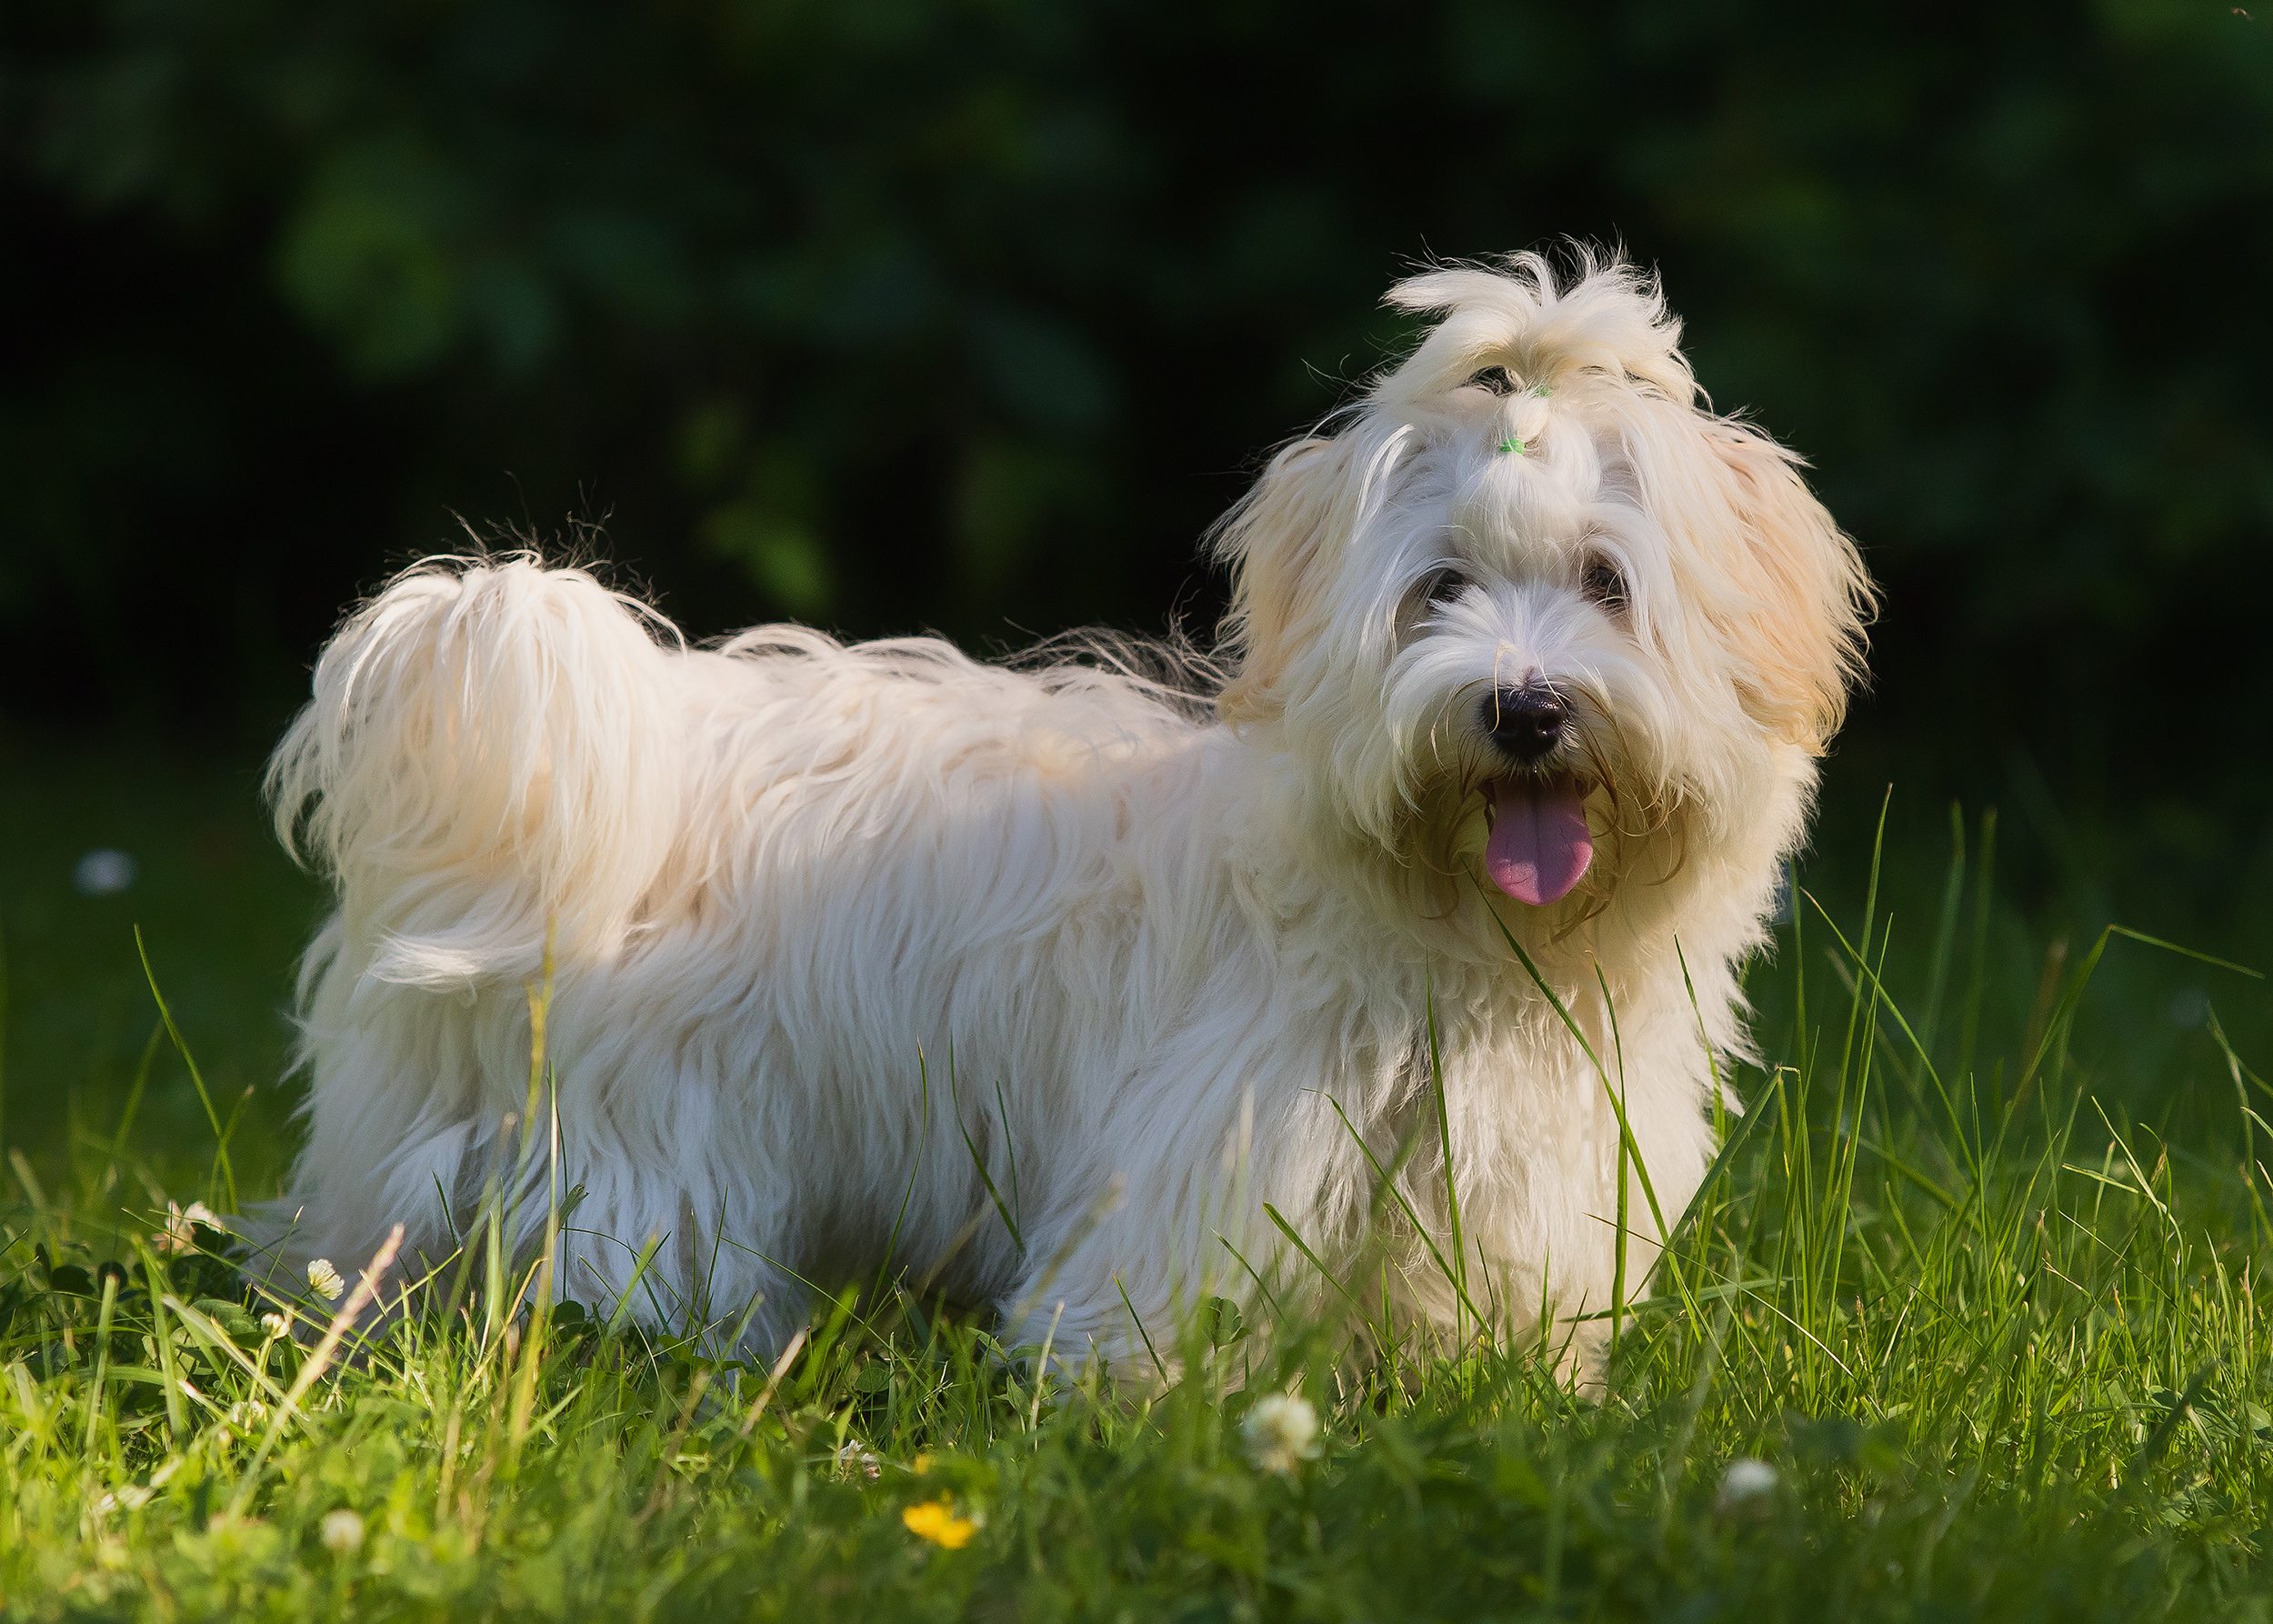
(1539, 846)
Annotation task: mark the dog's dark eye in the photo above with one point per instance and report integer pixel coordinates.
(1604, 583)
(1440, 587)
(1494, 379)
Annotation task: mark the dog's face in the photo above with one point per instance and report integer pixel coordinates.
(1531, 613)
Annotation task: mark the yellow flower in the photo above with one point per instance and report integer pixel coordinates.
(936, 1521)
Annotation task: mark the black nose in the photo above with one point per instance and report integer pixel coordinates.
(1526, 722)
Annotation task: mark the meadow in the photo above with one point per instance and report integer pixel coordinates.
(1964, 1326)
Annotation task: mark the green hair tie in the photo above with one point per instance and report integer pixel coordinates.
(1514, 444)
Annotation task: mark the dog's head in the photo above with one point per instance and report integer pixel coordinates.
(1528, 610)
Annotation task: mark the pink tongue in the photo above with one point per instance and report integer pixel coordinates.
(1540, 845)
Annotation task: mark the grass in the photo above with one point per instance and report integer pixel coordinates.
(1975, 1280)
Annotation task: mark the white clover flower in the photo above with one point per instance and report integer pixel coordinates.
(275, 1325)
(852, 1457)
(324, 1279)
(180, 1234)
(103, 872)
(341, 1532)
(1281, 1431)
(1744, 1486)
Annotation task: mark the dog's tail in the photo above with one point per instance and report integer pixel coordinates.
(490, 761)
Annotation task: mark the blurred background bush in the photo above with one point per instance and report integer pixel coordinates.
(971, 314)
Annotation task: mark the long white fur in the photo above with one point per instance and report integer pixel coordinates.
(833, 926)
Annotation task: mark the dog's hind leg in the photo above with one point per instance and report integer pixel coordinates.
(490, 772)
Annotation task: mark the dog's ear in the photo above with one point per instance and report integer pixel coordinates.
(1272, 541)
(1802, 594)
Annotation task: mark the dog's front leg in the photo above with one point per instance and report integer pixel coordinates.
(1171, 1205)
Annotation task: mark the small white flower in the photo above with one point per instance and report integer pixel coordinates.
(275, 1324)
(1281, 1432)
(246, 1414)
(1744, 1486)
(341, 1532)
(324, 1279)
(129, 1497)
(103, 873)
(181, 1227)
(851, 1457)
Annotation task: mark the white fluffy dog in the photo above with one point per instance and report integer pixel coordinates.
(1067, 990)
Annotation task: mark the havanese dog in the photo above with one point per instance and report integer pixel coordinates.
(1403, 949)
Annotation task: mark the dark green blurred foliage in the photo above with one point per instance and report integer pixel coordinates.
(973, 312)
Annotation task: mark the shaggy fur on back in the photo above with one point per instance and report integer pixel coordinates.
(840, 935)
